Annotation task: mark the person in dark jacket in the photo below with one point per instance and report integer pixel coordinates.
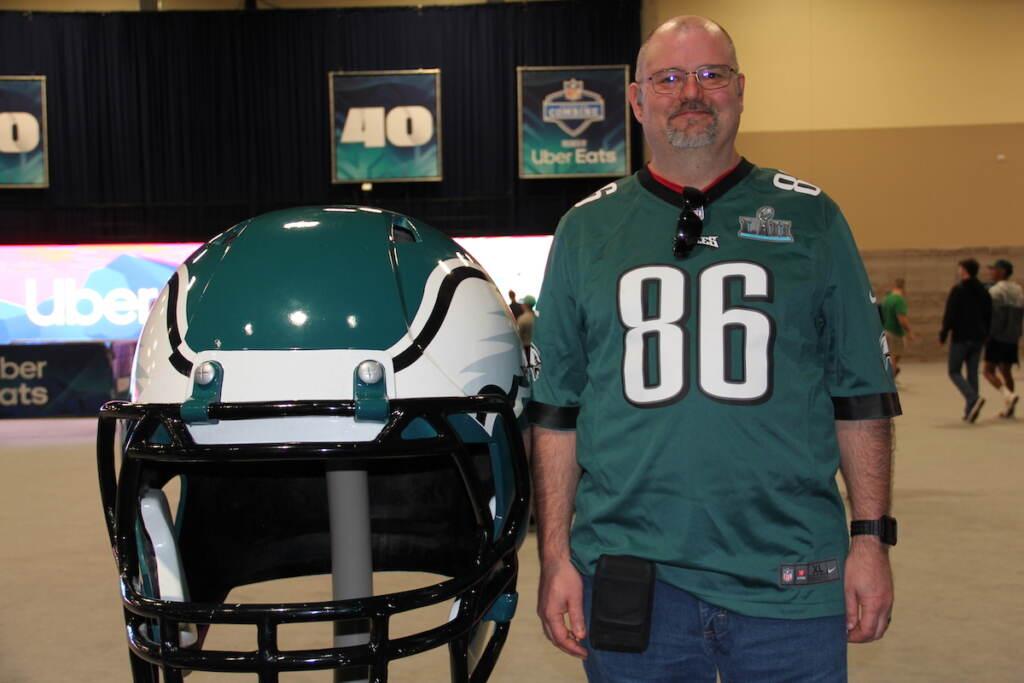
(968, 316)
(514, 305)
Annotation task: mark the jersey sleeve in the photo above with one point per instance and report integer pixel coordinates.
(857, 369)
(558, 341)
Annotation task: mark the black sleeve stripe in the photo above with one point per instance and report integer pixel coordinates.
(552, 417)
(871, 407)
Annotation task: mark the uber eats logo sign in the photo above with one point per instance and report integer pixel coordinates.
(23, 158)
(386, 125)
(573, 121)
(40, 380)
(16, 389)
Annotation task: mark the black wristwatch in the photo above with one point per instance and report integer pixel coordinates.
(884, 527)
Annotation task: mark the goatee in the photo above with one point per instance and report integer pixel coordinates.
(683, 139)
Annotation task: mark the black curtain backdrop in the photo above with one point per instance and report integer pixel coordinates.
(175, 126)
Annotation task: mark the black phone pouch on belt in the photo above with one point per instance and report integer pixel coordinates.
(621, 604)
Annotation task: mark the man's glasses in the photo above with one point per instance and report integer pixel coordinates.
(709, 76)
(690, 226)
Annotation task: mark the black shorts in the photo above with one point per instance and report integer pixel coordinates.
(1001, 352)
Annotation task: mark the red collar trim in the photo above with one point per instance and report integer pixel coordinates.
(679, 188)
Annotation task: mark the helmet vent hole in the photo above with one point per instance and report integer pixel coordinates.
(400, 234)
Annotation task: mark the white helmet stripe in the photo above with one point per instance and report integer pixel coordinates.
(438, 311)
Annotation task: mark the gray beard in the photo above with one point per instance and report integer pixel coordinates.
(681, 139)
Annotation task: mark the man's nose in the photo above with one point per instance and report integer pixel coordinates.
(691, 89)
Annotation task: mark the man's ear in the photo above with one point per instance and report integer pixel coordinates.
(636, 100)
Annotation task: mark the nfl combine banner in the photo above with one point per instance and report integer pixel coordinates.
(573, 121)
(23, 149)
(386, 126)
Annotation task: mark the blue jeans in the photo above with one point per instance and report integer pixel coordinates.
(965, 353)
(692, 640)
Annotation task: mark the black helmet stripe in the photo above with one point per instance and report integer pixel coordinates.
(445, 294)
(178, 361)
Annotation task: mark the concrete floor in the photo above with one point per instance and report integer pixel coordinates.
(959, 565)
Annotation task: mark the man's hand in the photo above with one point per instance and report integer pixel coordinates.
(561, 596)
(868, 588)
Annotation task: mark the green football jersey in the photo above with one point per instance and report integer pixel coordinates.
(704, 390)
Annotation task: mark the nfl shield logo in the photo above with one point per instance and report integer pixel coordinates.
(573, 89)
(787, 575)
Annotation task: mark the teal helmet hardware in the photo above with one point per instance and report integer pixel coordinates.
(297, 343)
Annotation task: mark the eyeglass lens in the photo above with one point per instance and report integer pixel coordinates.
(709, 77)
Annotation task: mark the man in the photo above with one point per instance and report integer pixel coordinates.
(711, 355)
(895, 323)
(513, 305)
(968, 316)
(1001, 351)
(525, 322)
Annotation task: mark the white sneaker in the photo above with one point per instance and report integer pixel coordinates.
(1011, 405)
(972, 414)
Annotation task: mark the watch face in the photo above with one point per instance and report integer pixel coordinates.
(888, 530)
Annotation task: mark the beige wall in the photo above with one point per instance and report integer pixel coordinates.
(842, 64)
(909, 113)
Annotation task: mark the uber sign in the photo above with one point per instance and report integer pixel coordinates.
(23, 158)
(385, 125)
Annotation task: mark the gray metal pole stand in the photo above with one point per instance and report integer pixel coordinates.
(351, 558)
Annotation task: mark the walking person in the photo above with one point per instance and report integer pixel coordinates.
(711, 357)
(1001, 350)
(525, 322)
(967, 319)
(514, 305)
(895, 322)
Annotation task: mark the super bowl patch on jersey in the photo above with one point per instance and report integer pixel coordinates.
(765, 227)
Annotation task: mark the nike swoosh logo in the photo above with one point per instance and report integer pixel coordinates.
(831, 570)
(871, 296)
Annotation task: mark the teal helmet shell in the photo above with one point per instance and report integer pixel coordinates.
(290, 302)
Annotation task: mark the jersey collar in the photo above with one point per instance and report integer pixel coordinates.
(673, 196)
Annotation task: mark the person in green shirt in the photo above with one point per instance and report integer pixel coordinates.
(894, 320)
(710, 355)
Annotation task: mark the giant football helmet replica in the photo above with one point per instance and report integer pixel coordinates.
(305, 375)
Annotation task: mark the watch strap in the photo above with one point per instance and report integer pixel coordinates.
(883, 527)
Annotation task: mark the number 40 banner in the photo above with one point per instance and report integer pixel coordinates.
(23, 157)
(386, 125)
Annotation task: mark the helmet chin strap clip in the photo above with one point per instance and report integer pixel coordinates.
(370, 391)
(207, 381)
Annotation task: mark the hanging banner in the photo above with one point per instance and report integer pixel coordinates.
(51, 380)
(385, 126)
(573, 121)
(23, 144)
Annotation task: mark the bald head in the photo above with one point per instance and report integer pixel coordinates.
(683, 24)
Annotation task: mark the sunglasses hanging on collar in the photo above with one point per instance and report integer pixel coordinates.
(690, 226)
